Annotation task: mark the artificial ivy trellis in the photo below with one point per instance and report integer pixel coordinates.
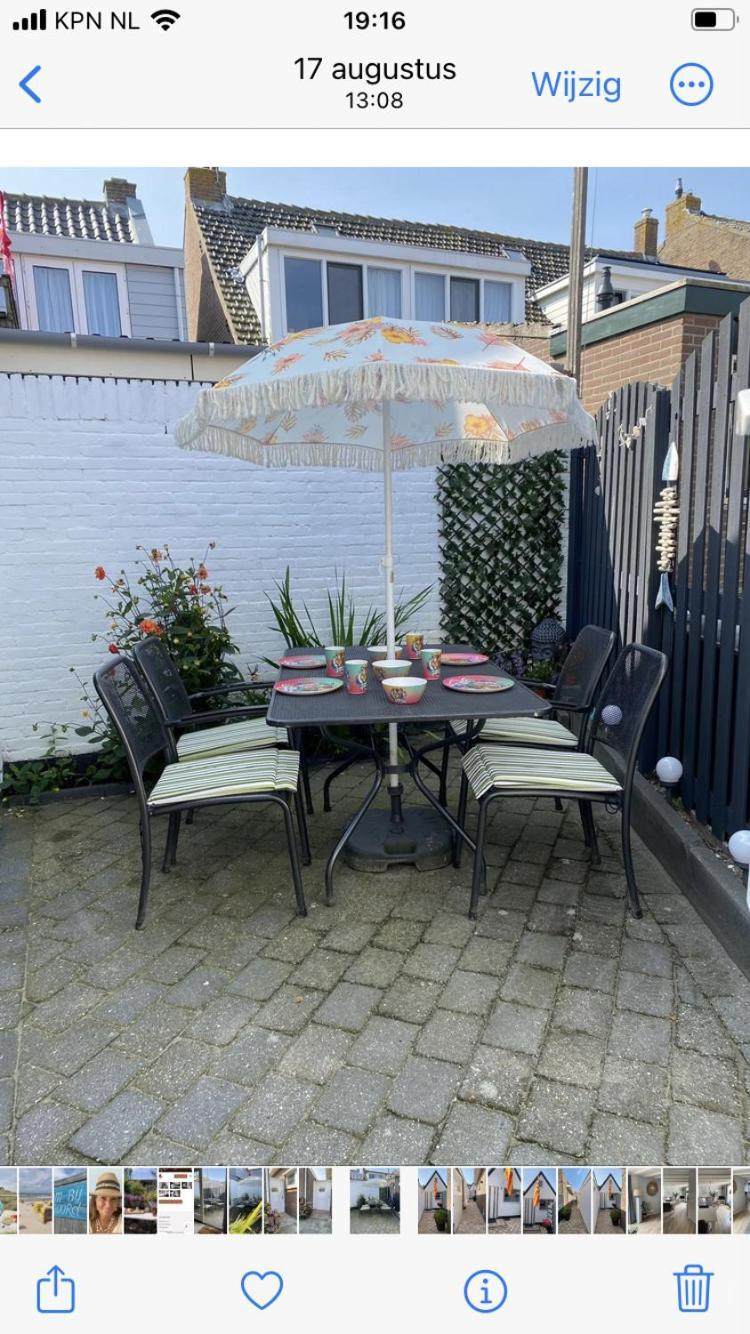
(501, 550)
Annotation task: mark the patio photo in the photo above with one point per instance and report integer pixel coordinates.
(539, 1200)
(609, 1201)
(246, 1201)
(35, 1201)
(315, 1200)
(140, 1201)
(367, 542)
(374, 1201)
(434, 1201)
(469, 1199)
(280, 1200)
(210, 1203)
(575, 1206)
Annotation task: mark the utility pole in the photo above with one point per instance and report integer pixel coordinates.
(575, 277)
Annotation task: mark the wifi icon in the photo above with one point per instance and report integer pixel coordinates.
(166, 18)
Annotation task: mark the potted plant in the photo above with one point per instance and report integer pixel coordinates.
(615, 1214)
(441, 1219)
(546, 1226)
(564, 1213)
(305, 1209)
(361, 1201)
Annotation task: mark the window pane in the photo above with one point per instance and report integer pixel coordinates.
(465, 300)
(384, 292)
(344, 293)
(497, 305)
(54, 305)
(102, 304)
(304, 294)
(429, 296)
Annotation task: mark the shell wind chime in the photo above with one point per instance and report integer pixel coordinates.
(666, 514)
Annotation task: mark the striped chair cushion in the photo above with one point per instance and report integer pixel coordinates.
(229, 737)
(272, 770)
(528, 732)
(518, 767)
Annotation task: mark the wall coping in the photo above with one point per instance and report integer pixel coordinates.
(688, 296)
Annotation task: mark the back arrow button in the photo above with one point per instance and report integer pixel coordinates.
(26, 82)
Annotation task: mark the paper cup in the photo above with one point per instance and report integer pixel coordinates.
(334, 660)
(414, 643)
(357, 671)
(431, 660)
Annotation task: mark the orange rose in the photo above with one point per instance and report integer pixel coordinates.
(100, 572)
(148, 627)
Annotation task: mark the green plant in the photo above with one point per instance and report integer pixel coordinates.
(564, 1212)
(441, 1218)
(298, 629)
(305, 1208)
(362, 1200)
(616, 1215)
(51, 772)
(541, 671)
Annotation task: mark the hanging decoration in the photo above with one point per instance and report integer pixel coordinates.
(666, 514)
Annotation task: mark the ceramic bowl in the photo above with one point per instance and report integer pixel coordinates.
(376, 651)
(404, 689)
(383, 667)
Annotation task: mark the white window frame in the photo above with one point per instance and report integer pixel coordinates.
(323, 260)
(384, 264)
(75, 270)
(510, 280)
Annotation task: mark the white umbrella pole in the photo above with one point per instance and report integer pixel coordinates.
(388, 570)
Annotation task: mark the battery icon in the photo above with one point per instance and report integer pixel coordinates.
(714, 20)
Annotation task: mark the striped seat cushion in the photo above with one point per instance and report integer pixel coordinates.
(520, 767)
(229, 737)
(528, 732)
(272, 770)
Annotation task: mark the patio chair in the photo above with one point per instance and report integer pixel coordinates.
(230, 730)
(618, 721)
(269, 775)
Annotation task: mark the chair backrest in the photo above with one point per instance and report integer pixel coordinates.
(626, 700)
(583, 668)
(153, 660)
(131, 707)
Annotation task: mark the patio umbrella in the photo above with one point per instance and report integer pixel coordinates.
(383, 394)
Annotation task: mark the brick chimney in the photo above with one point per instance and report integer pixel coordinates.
(117, 191)
(646, 234)
(677, 212)
(208, 184)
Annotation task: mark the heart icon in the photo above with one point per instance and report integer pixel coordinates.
(262, 1289)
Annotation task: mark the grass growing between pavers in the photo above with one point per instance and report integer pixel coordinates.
(385, 1028)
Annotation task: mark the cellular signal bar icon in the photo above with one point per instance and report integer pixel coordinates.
(36, 22)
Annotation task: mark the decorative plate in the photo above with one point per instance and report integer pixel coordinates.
(478, 685)
(301, 661)
(463, 659)
(310, 685)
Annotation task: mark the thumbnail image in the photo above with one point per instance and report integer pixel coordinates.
(741, 1200)
(575, 1201)
(644, 1201)
(678, 1200)
(174, 1200)
(140, 1209)
(210, 1204)
(245, 1200)
(539, 1199)
(504, 1200)
(714, 1200)
(374, 1200)
(315, 1199)
(280, 1193)
(35, 1200)
(70, 1212)
(609, 1208)
(433, 1200)
(8, 1201)
(469, 1199)
(105, 1201)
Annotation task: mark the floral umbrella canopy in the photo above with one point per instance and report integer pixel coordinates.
(384, 394)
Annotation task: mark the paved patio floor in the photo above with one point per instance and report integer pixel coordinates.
(386, 1029)
(373, 1222)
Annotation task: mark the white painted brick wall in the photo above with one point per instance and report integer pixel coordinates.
(89, 469)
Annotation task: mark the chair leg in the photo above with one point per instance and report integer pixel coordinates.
(305, 776)
(476, 877)
(443, 789)
(582, 807)
(145, 871)
(302, 826)
(558, 804)
(627, 857)
(190, 817)
(463, 793)
(170, 848)
(592, 841)
(291, 840)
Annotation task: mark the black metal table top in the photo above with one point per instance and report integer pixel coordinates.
(437, 704)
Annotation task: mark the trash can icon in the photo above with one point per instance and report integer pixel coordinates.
(693, 1288)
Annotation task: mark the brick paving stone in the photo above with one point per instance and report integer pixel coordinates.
(640, 1037)
(34, 1084)
(158, 1151)
(641, 956)
(574, 1058)
(376, 967)
(695, 1136)
(351, 937)
(313, 1143)
(292, 946)
(416, 906)
(582, 1011)
(539, 948)
(395, 1139)
(448, 1036)
(653, 995)
(348, 1006)
(11, 973)
(269, 920)
(42, 1131)
(714, 979)
(627, 1141)
(250, 1056)
(735, 1012)
(434, 963)
(68, 1006)
(125, 1004)
(197, 1116)
(424, 1089)
(275, 1108)
(6, 1104)
(383, 1045)
(552, 917)
(290, 1009)
(410, 999)
(65, 1052)
(222, 1019)
(634, 1088)
(524, 1153)
(597, 938)
(473, 1135)
(472, 993)
(174, 964)
(229, 1147)
(501, 924)
(260, 979)
(100, 1080)
(497, 1078)
(586, 970)
(8, 1054)
(559, 891)
(176, 1069)
(531, 986)
(515, 1027)
(449, 929)
(321, 969)
(557, 1115)
(485, 955)
(398, 934)
(317, 1053)
(153, 1029)
(351, 1099)
(706, 1081)
(109, 1135)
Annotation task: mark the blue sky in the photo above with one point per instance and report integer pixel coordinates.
(601, 1174)
(519, 201)
(576, 1176)
(529, 1173)
(35, 1181)
(8, 1178)
(425, 1173)
(142, 1173)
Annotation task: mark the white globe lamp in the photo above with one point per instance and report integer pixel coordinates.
(739, 849)
(669, 773)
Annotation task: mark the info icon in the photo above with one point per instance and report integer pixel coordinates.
(485, 1291)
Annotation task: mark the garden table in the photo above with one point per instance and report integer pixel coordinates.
(420, 836)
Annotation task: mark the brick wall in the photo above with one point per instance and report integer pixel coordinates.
(89, 469)
(656, 352)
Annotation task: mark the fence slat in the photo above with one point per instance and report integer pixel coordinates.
(687, 465)
(737, 815)
(695, 590)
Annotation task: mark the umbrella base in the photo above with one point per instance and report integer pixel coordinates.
(423, 839)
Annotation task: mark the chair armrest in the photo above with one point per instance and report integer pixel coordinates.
(535, 685)
(232, 686)
(218, 716)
